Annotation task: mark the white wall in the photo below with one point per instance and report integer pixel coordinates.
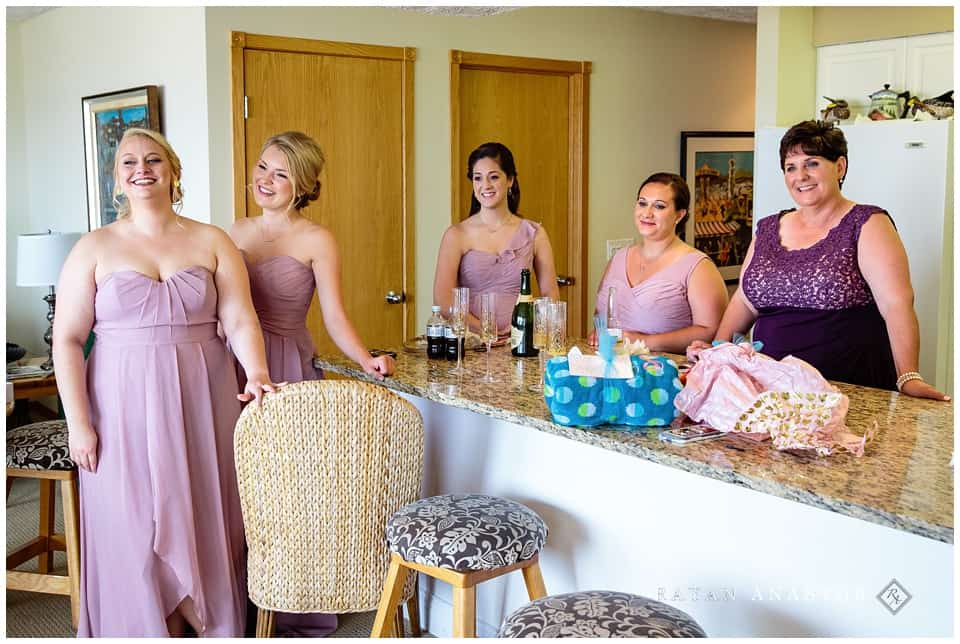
(55, 59)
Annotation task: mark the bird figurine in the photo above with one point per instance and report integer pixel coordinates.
(836, 110)
(940, 107)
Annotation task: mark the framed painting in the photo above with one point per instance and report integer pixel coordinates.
(105, 118)
(718, 168)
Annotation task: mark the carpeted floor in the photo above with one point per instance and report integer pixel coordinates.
(42, 615)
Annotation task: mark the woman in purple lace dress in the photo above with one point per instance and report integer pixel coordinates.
(486, 251)
(151, 413)
(828, 281)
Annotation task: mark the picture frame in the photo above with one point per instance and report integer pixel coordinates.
(718, 168)
(105, 118)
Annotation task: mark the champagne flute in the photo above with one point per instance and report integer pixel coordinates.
(488, 327)
(541, 311)
(557, 329)
(459, 310)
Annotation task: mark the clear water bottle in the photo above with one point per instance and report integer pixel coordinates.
(436, 342)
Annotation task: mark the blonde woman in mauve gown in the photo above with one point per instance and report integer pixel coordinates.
(151, 414)
(289, 258)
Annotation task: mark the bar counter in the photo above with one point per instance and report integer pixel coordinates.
(903, 481)
(629, 512)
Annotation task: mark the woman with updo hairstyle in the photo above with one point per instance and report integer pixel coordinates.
(151, 412)
(666, 292)
(486, 251)
(289, 258)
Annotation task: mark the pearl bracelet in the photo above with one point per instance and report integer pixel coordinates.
(906, 377)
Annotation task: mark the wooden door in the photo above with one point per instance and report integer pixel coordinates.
(356, 101)
(538, 109)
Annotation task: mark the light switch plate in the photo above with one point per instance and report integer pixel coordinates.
(613, 245)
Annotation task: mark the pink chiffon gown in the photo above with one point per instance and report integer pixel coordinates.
(160, 519)
(282, 289)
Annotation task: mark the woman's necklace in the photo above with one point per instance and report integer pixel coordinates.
(649, 262)
(503, 222)
(264, 231)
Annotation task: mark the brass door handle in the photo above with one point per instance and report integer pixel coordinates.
(566, 280)
(394, 298)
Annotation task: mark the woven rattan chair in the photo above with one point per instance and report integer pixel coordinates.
(321, 466)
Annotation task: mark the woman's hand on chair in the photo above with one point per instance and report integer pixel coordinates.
(258, 385)
(83, 443)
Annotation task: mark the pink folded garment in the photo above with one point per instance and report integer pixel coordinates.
(735, 389)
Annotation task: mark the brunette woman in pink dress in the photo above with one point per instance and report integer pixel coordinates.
(667, 293)
(487, 250)
(289, 258)
(151, 414)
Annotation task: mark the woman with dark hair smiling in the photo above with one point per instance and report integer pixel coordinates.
(668, 293)
(828, 281)
(487, 251)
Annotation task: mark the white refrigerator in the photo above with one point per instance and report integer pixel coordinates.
(905, 167)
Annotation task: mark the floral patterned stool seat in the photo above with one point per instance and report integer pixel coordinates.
(40, 451)
(462, 539)
(599, 613)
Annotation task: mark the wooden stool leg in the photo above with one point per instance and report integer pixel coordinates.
(413, 609)
(398, 622)
(534, 581)
(71, 530)
(47, 513)
(392, 589)
(465, 611)
(265, 622)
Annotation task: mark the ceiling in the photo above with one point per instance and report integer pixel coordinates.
(737, 14)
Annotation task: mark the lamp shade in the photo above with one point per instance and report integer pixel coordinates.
(40, 257)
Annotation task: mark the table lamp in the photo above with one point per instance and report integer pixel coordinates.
(40, 257)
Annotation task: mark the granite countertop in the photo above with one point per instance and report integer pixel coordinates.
(903, 481)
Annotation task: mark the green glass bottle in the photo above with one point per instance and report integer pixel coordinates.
(521, 324)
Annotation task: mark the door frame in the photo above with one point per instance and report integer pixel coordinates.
(578, 75)
(241, 41)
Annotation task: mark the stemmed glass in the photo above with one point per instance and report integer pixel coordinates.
(541, 311)
(488, 327)
(459, 310)
(557, 329)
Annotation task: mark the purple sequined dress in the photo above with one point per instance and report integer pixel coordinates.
(814, 303)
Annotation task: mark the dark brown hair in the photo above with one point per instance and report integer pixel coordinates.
(816, 138)
(681, 193)
(504, 158)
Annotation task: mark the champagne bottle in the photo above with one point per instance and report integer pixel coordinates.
(521, 324)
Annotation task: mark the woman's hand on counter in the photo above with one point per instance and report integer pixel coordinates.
(921, 389)
(379, 367)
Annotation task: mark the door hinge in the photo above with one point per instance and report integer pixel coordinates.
(246, 113)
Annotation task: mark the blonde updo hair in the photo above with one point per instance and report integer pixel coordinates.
(304, 161)
(176, 189)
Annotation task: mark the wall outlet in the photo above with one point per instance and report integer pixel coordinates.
(613, 245)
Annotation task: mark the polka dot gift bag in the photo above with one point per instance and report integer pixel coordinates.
(645, 399)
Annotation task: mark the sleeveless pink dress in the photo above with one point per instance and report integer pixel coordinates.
(160, 519)
(656, 305)
(499, 273)
(282, 288)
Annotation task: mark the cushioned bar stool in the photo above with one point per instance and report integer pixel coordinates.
(599, 613)
(40, 451)
(462, 539)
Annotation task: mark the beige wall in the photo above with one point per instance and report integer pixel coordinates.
(796, 88)
(834, 25)
(653, 75)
